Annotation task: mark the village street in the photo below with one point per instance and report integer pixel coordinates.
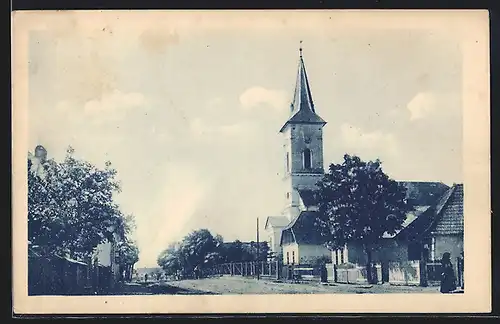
(239, 285)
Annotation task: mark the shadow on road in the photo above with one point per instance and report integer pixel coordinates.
(135, 288)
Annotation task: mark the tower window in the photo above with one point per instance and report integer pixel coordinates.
(307, 156)
(293, 257)
(288, 258)
(287, 162)
(287, 195)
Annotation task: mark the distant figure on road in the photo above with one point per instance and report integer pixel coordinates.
(146, 277)
(448, 283)
(197, 272)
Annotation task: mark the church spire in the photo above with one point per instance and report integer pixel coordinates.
(302, 107)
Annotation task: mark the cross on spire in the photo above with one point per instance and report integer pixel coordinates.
(302, 107)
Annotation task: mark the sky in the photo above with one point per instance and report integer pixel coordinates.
(190, 117)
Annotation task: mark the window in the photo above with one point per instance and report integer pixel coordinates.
(307, 158)
(336, 256)
(287, 195)
(342, 256)
(288, 258)
(287, 162)
(293, 257)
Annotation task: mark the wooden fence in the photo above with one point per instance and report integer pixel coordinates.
(249, 268)
(269, 270)
(408, 273)
(63, 276)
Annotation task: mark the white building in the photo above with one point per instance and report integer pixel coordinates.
(291, 233)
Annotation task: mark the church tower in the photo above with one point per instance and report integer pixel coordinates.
(303, 145)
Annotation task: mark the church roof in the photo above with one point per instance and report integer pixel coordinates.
(301, 230)
(424, 196)
(308, 197)
(302, 107)
(277, 221)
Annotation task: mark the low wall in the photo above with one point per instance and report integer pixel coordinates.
(350, 275)
(404, 273)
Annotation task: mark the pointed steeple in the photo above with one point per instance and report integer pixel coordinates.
(302, 107)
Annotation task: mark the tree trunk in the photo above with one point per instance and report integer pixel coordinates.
(369, 274)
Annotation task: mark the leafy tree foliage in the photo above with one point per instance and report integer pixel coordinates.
(203, 250)
(129, 255)
(171, 259)
(358, 203)
(70, 206)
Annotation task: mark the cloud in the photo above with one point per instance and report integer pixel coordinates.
(373, 144)
(422, 105)
(181, 196)
(256, 96)
(214, 103)
(113, 104)
(200, 128)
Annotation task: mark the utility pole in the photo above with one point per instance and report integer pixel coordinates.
(258, 250)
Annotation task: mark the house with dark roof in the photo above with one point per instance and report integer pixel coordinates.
(400, 252)
(443, 231)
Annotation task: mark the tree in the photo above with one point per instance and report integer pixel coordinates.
(129, 255)
(71, 208)
(195, 247)
(237, 251)
(358, 203)
(170, 260)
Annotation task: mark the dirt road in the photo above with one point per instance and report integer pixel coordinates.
(239, 285)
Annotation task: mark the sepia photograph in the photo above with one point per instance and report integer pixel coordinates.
(258, 153)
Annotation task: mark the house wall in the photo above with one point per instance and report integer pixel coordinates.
(290, 250)
(115, 267)
(340, 256)
(308, 253)
(449, 243)
(104, 251)
(274, 238)
(390, 251)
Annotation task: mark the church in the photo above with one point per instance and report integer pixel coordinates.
(291, 235)
(303, 149)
